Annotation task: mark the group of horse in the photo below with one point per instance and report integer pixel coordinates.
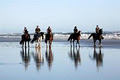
(37, 38)
(49, 38)
(76, 36)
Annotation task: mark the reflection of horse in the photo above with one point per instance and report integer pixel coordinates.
(49, 37)
(38, 58)
(75, 56)
(73, 37)
(25, 57)
(97, 36)
(49, 57)
(98, 57)
(38, 38)
(25, 38)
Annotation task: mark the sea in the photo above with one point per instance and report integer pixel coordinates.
(58, 36)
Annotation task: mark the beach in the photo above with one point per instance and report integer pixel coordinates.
(61, 62)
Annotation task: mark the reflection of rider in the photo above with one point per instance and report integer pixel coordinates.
(37, 30)
(75, 30)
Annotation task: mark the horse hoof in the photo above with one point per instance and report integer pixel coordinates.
(100, 45)
(94, 45)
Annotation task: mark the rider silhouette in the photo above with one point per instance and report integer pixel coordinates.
(25, 30)
(37, 30)
(49, 30)
(97, 31)
(75, 30)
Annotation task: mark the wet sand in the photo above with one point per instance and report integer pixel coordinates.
(61, 62)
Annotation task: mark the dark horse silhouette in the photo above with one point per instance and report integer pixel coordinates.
(25, 38)
(73, 37)
(49, 57)
(38, 38)
(97, 36)
(75, 56)
(98, 56)
(25, 57)
(49, 37)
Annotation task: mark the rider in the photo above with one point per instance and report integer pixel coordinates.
(25, 30)
(97, 31)
(49, 30)
(75, 30)
(37, 30)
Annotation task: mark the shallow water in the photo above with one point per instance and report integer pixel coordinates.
(60, 63)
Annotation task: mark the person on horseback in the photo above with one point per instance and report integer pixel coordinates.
(37, 30)
(25, 37)
(49, 30)
(75, 30)
(25, 30)
(97, 31)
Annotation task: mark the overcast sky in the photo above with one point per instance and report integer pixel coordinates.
(61, 15)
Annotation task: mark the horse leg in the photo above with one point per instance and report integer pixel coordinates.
(25, 44)
(28, 44)
(39, 44)
(94, 43)
(22, 44)
(73, 43)
(50, 44)
(78, 43)
(46, 45)
(100, 43)
(36, 44)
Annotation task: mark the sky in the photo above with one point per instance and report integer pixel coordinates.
(60, 15)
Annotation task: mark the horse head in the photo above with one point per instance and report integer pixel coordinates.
(79, 32)
(101, 31)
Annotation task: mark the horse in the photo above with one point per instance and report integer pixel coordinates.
(25, 38)
(73, 37)
(38, 39)
(97, 36)
(49, 37)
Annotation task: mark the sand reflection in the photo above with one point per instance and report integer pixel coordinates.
(25, 57)
(74, 55)
(98, 57)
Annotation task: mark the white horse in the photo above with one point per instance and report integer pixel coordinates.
(38, 39)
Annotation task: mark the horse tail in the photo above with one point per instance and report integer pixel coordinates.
(70, 37)
(90, 36)
(34, 38)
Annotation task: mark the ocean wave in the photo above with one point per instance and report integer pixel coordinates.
(57, 36)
